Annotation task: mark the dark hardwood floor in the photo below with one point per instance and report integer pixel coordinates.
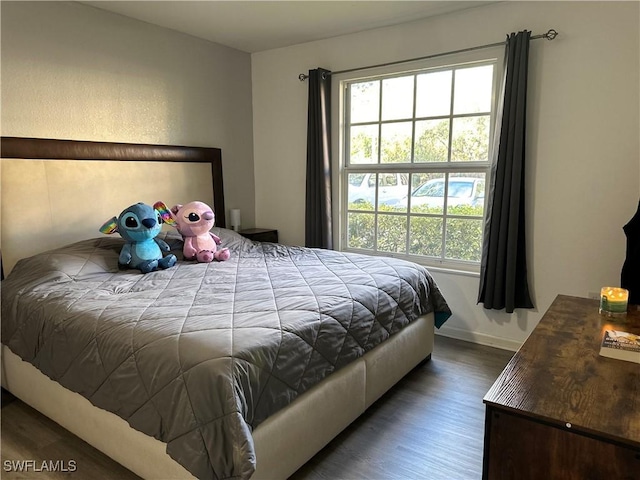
(429, 427)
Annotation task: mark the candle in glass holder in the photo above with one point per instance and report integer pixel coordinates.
(613, 301)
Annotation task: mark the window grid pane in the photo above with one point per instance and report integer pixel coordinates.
(365, 101)
(433, 95)
(397, 98)
(395, 142)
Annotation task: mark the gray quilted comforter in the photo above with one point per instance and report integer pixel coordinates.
(198, 355)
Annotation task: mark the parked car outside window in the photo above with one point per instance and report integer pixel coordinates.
(461, 191)
(362, 187)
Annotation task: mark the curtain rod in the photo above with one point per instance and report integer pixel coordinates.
(550, 35)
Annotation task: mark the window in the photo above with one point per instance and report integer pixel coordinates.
(415, 163)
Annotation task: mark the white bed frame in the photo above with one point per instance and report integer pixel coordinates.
(42, 187)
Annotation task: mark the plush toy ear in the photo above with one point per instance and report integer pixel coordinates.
(176, 208)
(110, 226)
(165, 213)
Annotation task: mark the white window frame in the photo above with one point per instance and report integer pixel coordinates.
(340, 146)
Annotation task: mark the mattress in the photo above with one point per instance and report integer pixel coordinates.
(199, 355)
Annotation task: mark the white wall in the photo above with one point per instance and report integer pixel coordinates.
(71, 71)
(583, 149)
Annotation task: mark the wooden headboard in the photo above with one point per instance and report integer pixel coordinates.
(65, 189)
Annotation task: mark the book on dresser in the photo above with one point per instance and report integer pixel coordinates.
(620, 345)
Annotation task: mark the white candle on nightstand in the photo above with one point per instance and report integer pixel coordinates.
(235, 219)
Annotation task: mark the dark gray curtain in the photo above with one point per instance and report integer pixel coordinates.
(318, 228)
(503, 274)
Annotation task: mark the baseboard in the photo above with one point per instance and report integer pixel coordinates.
(479, 338)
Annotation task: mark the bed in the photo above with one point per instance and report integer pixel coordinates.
(238, 369)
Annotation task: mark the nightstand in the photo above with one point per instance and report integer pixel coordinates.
(260, 234)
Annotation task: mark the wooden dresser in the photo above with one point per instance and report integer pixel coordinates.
(561, 411)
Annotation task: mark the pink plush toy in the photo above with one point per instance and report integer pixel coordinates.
(193, 221)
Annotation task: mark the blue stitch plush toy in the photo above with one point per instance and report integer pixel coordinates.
(138, 225)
